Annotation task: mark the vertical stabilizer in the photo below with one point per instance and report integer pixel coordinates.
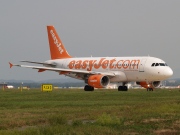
(56, 46)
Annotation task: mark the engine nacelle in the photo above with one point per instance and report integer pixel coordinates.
(149, 85)
(98, 81)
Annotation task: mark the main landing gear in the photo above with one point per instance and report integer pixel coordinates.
(88, 88)
(122, 88)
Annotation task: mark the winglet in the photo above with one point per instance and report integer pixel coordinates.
(10, 64)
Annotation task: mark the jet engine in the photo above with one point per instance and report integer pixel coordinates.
(149, 85)
(98, 81)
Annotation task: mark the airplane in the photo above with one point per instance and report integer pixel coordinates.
(99, 72)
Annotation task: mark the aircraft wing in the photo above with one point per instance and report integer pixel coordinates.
(41, 69)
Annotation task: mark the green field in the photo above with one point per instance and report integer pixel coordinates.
(102, 112)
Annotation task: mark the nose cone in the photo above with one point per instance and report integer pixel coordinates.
(168, 73)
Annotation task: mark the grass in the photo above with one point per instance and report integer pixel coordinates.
(77, 112)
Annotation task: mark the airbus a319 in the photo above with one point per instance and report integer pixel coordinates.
(98, 72)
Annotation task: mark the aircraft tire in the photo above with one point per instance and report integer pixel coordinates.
(122, 88)
(88, 88)
(149, 89)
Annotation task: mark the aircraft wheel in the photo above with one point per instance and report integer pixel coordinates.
(122, 88)
(88, 88)
(149, 89)
(125, 88)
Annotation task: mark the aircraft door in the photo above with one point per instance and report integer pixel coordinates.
(141, 66)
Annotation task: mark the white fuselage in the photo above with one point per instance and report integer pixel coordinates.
(126, 69)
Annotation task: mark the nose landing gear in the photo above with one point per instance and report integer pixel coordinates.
(149, 89)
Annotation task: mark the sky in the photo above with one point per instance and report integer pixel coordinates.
(87, 28)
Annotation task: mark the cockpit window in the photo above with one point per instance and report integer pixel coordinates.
(159, 64)
(153, 64)
(162, 64)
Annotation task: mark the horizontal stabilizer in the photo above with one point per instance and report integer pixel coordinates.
(32, 62)
(52, 65)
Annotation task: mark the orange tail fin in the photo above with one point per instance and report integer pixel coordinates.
(57, 48)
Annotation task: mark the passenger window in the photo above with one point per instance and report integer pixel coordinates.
(157, 64)
(153, 65)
